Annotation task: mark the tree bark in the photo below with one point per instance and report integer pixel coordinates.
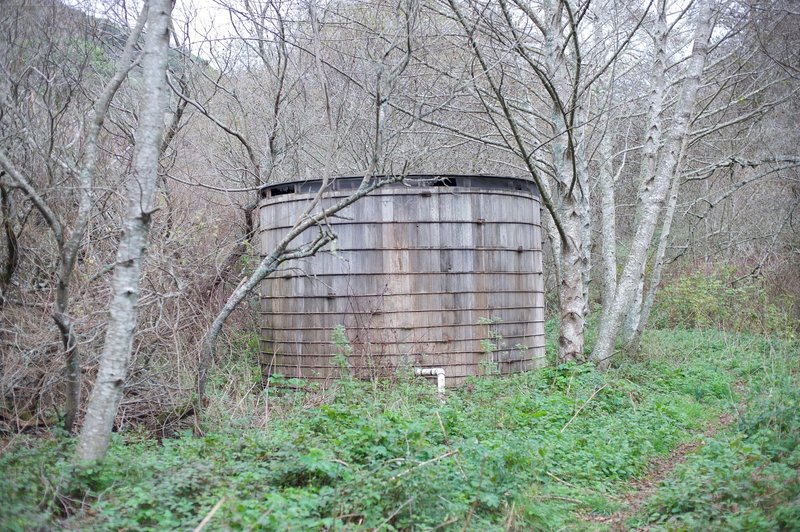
(655, 189)
(658, 266)
(608, 234)
(572, 205)
(107, 392)
(69, 342)
(631, 321)
(570, 291)
(582, 169)
(12, 252)
(572, 283)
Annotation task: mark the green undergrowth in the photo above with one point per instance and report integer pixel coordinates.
(746, 477)
(532, 451)
(725, 298)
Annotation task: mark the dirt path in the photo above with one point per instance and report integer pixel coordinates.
(658, 470)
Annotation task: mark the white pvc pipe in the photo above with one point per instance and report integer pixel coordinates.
(439, 372)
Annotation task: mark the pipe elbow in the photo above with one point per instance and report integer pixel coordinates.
(437, 372)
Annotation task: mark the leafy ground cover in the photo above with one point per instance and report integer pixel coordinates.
(746, 477)
(542, 450)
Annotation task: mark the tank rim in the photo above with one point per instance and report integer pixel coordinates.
(409, 181)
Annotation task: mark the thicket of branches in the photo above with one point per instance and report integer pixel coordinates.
(662, 136)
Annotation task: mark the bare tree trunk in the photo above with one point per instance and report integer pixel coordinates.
(608, 208)
(571, 288)
(586, 245)
(107, 392)
(607, 179)
(608, 234)
(70, 344)
(654, 193)
(12, 252)
(649, 163)
(572, 204)
(570, 291)
(658, 266)
(582, 170)
(635, 311)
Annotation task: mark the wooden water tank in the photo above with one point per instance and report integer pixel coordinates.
(436, 271)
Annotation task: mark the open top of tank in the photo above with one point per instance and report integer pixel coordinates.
(490, 182)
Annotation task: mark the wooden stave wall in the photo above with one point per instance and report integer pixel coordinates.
(475, 233)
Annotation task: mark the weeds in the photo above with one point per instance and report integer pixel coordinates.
(745, 478)
(724, 300)
(343, 350)
(491, 346)
(528, 451)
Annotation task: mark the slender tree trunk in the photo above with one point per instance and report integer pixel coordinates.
(606, 180)
(649, 162)
(582, 168)
(658, 266)
(586, 250)
(107, 392)
(70, 344)
(12, 255)
(608, 209)
(571, 293)
(571, 254)
(654, 195)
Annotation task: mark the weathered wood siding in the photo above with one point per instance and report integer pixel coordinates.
(417, 273)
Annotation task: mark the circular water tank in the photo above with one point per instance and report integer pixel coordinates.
(433, 272)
